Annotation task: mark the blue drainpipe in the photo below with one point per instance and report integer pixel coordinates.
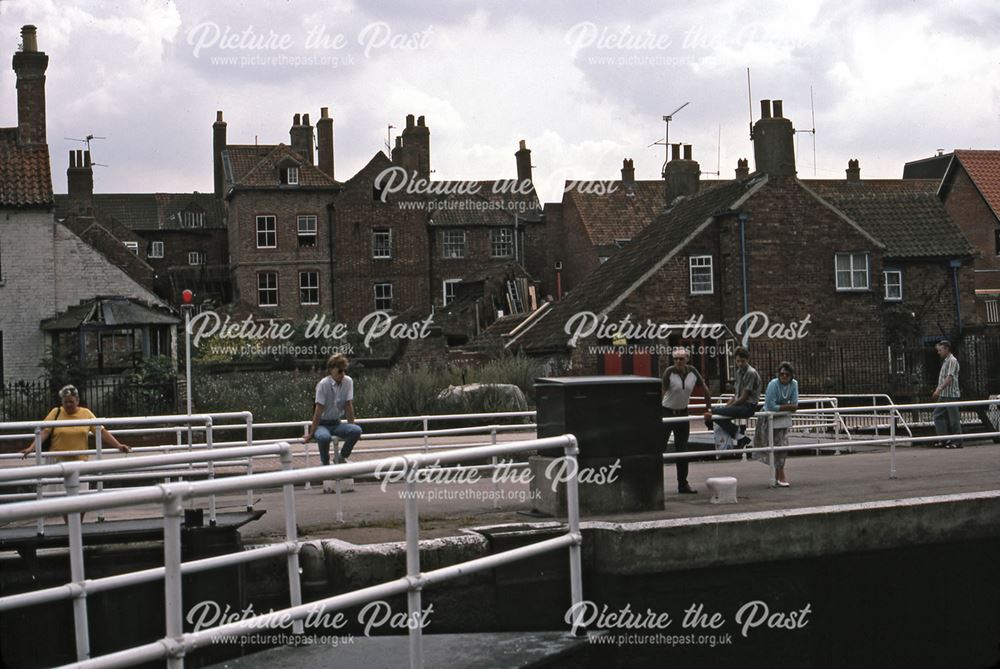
(743, 262)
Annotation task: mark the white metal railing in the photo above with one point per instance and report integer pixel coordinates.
(890, 441)
(175, 644)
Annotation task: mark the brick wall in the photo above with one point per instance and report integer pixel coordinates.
(288, 258)
(578, 255)
(969, 211)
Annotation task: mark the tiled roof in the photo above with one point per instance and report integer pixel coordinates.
(256, 166)
(25, 176)
(470, 210)
(151, 211)
(633, 263)
(911, 225)
(983, 167)
(500, 204)
(836, 187)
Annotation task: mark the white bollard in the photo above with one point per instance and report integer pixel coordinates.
(723, 489)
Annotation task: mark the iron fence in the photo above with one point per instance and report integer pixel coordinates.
(105, 396)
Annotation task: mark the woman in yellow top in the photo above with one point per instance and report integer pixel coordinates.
(72, 438)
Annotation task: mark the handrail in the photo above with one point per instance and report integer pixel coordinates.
(175, 644)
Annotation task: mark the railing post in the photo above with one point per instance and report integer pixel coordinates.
(39, 487)
(173, 513)
(249, 461)
(496, 483)
(99, 444)
(211, 471)
(892, 445)
(305, 451)
(71, 482)
(292, 537)
(426, 427)
(573, 518)
(413, 600)
(770, 446)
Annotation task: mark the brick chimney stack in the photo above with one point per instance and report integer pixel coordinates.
(416, 153)
(628, 172)
(80, 180)
(523, 158)
(218, 146)
(773, 141)
(301, 136)
(742, 168)
(853, 170)
(324, 137)
(29, 67)
(681, 175)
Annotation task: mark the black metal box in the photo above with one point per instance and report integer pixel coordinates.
(610, 416)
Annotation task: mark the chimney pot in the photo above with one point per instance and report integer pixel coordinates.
(687, 152)
(72, 159)
(776, 109)
(628, 171)
(765, 109)
(296, 120)
(324, 112)
(86, 159)
(853, 170)
(675, 152)
(29, 39)
(305, 119)
(420, 121)
(520, 145)
(742, 168)
(218, 116)
(409, 120)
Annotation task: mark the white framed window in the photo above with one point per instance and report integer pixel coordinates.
(307, 230)
(267, 289)
(893, 285)
(501, 242)
(992, 312)
(449, 290)
(195, 258)
(156, 250)
(293, 176)
(852, 271)
(382, 244)
(308, 287)
(897, 361)
(267, 232)
(193, 219)
(133, 247)
(701, 278)
(383, 296)
(453, 244)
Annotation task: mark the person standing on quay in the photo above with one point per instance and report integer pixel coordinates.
(334, 402)
(947, 420)
(679, 381)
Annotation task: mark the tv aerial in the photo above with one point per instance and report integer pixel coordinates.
(666, 136)
(86, 140)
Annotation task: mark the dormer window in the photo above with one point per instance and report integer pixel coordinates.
(292, 176)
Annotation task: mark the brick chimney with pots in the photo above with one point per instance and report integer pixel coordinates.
(681, 175)
(416, 153)
(324, 137)
(523, 158)
(218, 146)
(301, 136)
(853, 170)
(628, 172)
(80, 181)
(29, 67)
(773, 141)
(742, 168)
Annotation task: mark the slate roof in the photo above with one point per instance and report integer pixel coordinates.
(835, 187)
(111, 311)
(983, 167)
(651, 246)
(25, 176)
(256, 166)
(151, 211)
(504, 203)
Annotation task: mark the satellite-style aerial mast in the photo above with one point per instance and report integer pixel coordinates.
(666, 137)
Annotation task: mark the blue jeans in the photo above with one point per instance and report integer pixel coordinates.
(349, 433)
(738, 410)
(947, 419)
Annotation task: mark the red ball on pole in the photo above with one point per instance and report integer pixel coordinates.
(187, 296)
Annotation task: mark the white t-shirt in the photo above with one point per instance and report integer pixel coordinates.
(678, 388)
(333, 396)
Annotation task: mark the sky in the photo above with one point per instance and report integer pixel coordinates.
(585, 84)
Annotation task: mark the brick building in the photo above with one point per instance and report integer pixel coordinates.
(47, 270)
(968, 182)
(278, 206)
(863, 261)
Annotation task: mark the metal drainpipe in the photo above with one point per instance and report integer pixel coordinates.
(743, 262)
(955, 264)
(333, 258)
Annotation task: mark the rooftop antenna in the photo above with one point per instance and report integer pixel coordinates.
(388, 138)
(666, 137)
(750, 104)
(812, 130)
(86, 140)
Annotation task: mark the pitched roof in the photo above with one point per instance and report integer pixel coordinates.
(152, 211)
(114, 311)
(836, 187)
(25, 177)
(256, 166)
(607, 285)
(983, 167)
(105, 242)
(504, 200)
